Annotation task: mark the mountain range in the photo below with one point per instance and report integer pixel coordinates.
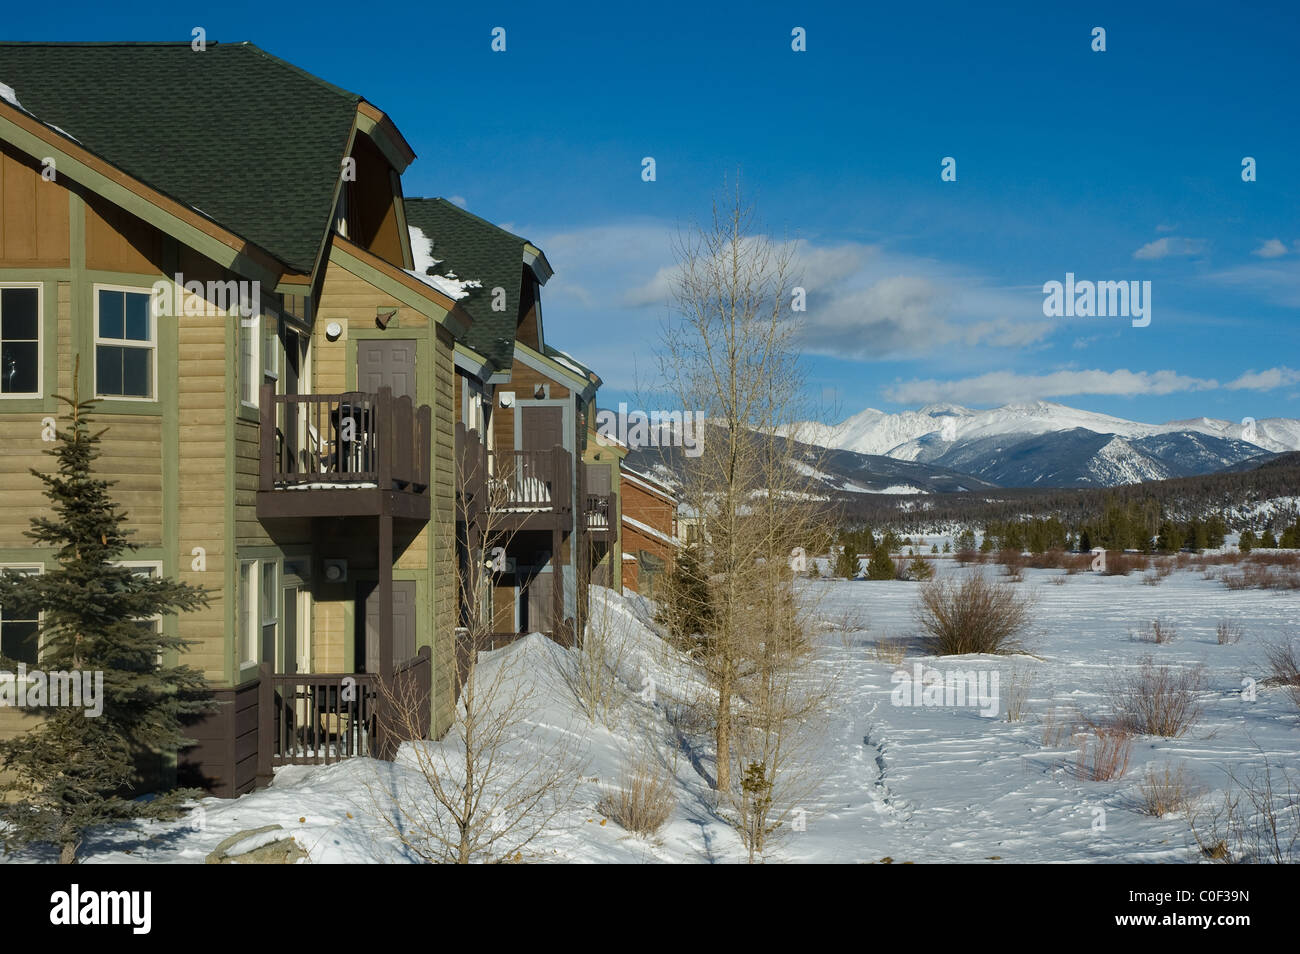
(1043, 444)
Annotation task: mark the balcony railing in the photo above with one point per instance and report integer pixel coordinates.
(531, 481)
(352, 441)
(597, 511)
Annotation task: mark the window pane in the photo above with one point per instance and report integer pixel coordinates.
(136, 372)
(110, 314)
(245, 611)
(20, 640)
(268, 592)
(18, 367)
(248, 360)
(108, 369)
(18, 316)
(137, 317)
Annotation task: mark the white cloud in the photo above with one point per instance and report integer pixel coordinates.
(1002, 387)
(1170, 247)
(1265, 380)
(457, 200)
(1273, 248)
(1277, 282)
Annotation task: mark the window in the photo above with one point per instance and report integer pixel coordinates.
(248, 360)
(269, 612)
(125, 344)
(259, 356)
(270, 347)
(20, 340)
(20, 635)
(247, 611)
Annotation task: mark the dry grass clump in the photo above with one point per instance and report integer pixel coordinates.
(1165, 791)
(1158, 631)
(889, 649)
(1228, 631)
(1104, 752)
(643, 801)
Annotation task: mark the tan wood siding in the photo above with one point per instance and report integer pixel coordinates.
(131, 457)
(117, 241)
(34, 220)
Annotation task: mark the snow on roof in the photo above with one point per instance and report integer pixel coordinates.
(567, 361)
(422, 252)
(647, 482)
(650, 531)
(9, 96)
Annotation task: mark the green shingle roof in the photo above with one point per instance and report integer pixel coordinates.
(475, 249)
(250, 141)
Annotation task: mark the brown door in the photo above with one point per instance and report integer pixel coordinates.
(403, 626)
(543, 427)
(387, 362)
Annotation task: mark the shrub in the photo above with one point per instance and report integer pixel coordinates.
(972, 616)
(1158, 700)
(643, 801)
(1284, 668)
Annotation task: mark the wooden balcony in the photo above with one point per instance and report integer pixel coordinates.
(531, 489)
(598, 516)
(344, 455)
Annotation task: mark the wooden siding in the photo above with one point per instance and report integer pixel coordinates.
(34, 219)
(117, 241)
(131, 457)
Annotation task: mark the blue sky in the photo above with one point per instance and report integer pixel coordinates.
(1122, 165)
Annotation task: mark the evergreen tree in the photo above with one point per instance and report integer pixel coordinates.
(1247, 541)
(1268, 541)
(74, 771)
(687, 608)
(1171, 537)
(919, 569)
(881, 566)
(846, 562)
(965, 542)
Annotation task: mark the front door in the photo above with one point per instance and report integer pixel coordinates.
(367, 650)
(542, 427)
(387, 362)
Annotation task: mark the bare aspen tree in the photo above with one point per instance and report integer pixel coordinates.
(730, 352)
(487, 790)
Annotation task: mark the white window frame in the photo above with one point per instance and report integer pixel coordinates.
(252, 377)
(38, 569)
(276, 597)
(128, 343)
(249, 608)
(270, 368)
(40, 342)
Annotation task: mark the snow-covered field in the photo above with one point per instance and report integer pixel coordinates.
(908, 783)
